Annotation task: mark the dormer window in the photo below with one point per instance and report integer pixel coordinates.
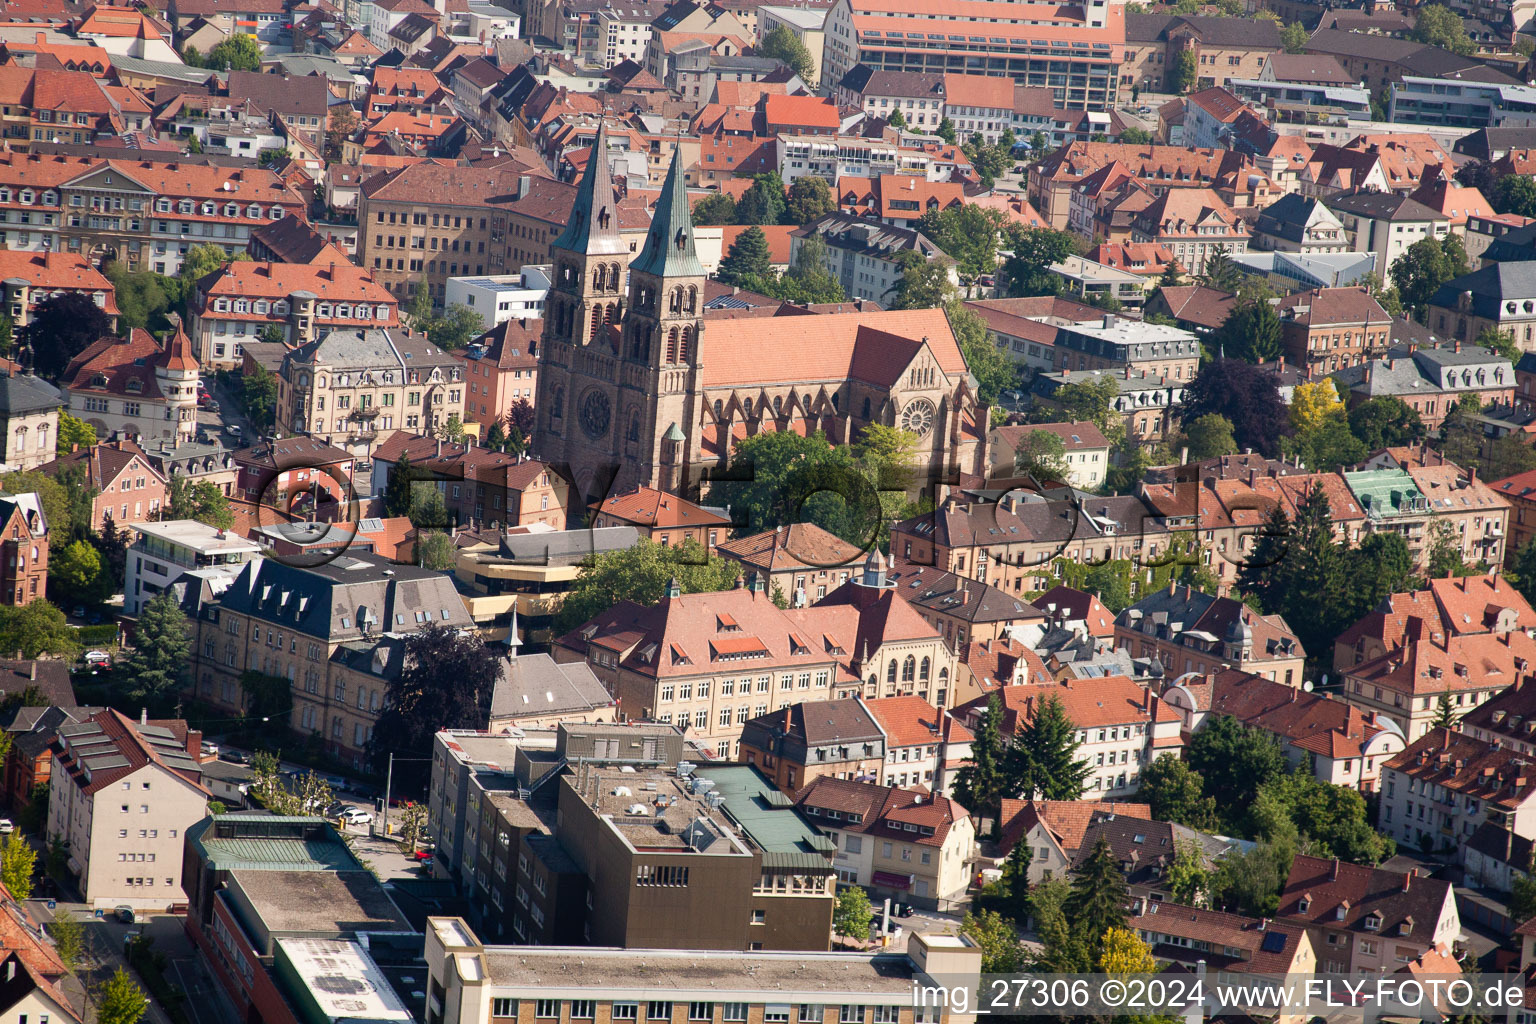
(134, 387)
(1373, 922)
(1341, 911)
(1304, 904)
(1406, 928)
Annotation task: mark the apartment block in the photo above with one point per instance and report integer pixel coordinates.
(162, 551)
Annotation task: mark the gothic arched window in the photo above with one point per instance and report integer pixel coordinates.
(890, 671)
(922, 671)
(908, 669)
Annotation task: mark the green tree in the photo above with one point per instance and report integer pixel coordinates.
(1028, 270)
(981, 782)
(1440, 26)
(1522, 571)
(413, 824)
(1186, 72)
(641, 574)
(715, 208)
(399, 493)
(1209, 436)
(1250, 882)
(946, 130)
(203, 259)
(810, 199)
(61, 328)
(162, 649)
(1500, 342)
(428, 509)
(258, 397)
(1331, 820)
(1522, 897)
(1514, 193)
(1234, 759)
(853, 915)
(1042, 454)
(1246, 395)
(1001, 950)
(748, 257)
(897, 119)
(75, 573)
(17, 861)
(435, 551)
(451, 429)
(143, 297)
(1089, 400)
(445, 683)
(1136, 137)
(57, 505)
(1045, 754)
(924, 283)
(970, 235)
(1109, 583)
(993, 370)
(74, 433)
(1176, 793)
(1221, 272)
(1097, 899)
(1125, 955)
(1172, 276)
(1251, 332)
(119, 1000)
(764, 202)
(1386, 421)
(36, 629)
(1187, 878)
(68, 937)
(202, 500)
(1294, 37)
(1426, 265)
(1445, 555)
(1013, 887)
(1445, 712)
(783, 45)
(240, 52)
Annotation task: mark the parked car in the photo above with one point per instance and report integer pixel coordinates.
(7, 826)
(124, 914)
(236, 756)
(98, 659)
(356, 816)
(211, 405)
(234, 431)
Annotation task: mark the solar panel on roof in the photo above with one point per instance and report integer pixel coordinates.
(1274, 942)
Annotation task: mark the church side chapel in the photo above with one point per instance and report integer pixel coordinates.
(645, 383)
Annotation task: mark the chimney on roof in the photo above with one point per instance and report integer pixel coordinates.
(33, 672)
(143, 716)
(1407, 880)
(1333, 873)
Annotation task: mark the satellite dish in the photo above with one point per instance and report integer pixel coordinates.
(1306, 687)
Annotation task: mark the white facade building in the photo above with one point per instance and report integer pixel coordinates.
(502, 297)
(163, 551)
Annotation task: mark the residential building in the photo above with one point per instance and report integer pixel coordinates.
(1325, 329)
(1147, 852)
(1430, 379)
(1385, 223)
(662, 518)
(804, 23)
(923, 745)
(1025, 328)
(1437, 792)
(1192, 222)
(663, 426)
(1407, 501)
(501, 367)
(210, 462)
(1209, 116)
(1118, 343)
(1225, 48)
(1495, 296)
(979, 105)
(801, 560)
(533, 691)
(1148, 402)
(670, 661)
(1454, 606)
(162, 551)
(32, 730)
(800, 743)
(478, 485)
(136, 386)
(298, 476)
(249, 300)
(1085, 449)
(958, 537)
(1503, 720)
(1453, 103)
(256, 884)
(1333, 740)
(121, 796)
(869, 258)
(1190, 631)
(1518, 491)
(1367, 919)
(1121, 726)
(29, 419)
(919, 95)
(899, 200)
(1093, 281)
(1230, 943)
(1092, 75)
(337, 667)
(25, 992)
(965, 611)
(28, 279)
(350, 387)
(1055, 180)
(1193, 307)
(1298, 223)
(126, 485)
(23, 549)
(927, 864)
(508, 976)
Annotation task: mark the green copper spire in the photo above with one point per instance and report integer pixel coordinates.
(668, 248)
(594, 225)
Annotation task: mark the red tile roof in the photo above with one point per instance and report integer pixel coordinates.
(907, 721)
(648, 507)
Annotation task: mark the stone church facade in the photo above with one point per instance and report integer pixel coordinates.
(645, 390)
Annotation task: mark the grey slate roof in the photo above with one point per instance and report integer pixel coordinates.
(1491, 287)
(24, 393)
(536, 684)
(1382, 206)
(567, 547)
(1287, 218)
(1214, 30)
(929, 588)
